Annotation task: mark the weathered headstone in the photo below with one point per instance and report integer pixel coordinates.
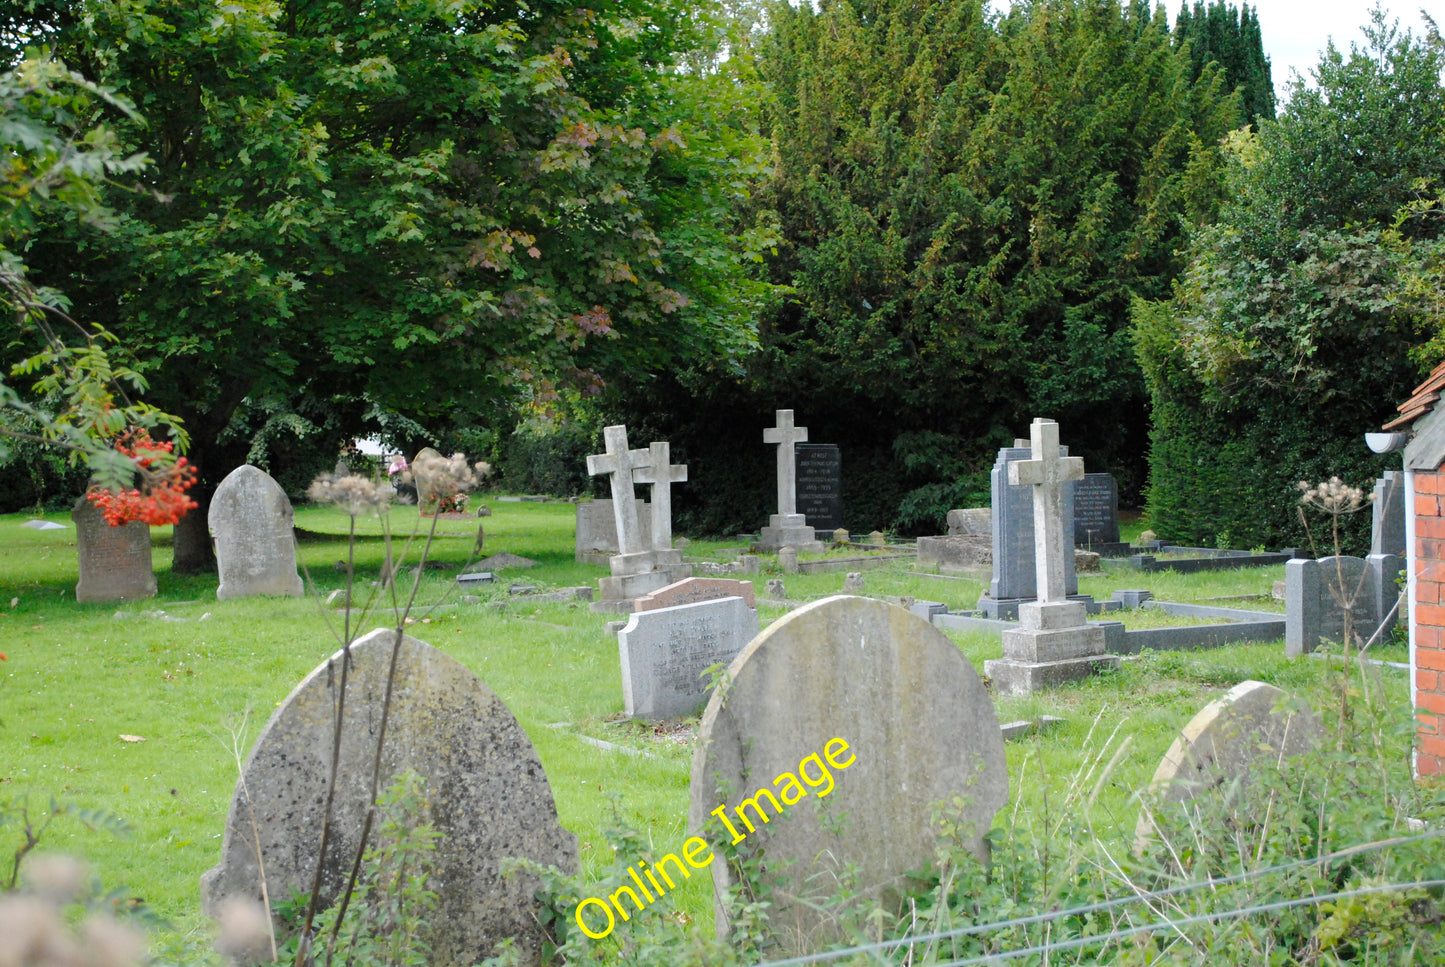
(853, 583)
(485, 787)
(1216, 751)
(250, 519)
(115, 562)
(695, 589)
(1012, 534)
(1319, 594)
(666, 653)
(1387, 532)
(596, 535)
(1096, 510)
(788, 559)
(956, 553)
(775, 589)
(970, 521)
(1054, 642)
(787, 528)
(819, 473)
(917, 723)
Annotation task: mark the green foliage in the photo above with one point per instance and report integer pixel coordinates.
(1254, 366)
(1231, 39)
(549, 459)
(427, 205)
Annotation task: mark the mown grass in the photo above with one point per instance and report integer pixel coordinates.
(197, 683)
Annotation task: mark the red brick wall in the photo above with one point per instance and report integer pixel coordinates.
(1429, 618)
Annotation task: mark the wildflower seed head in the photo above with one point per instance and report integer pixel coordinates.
(352, 493)
(438, 477)
(1333, 496)
(245, 935)
(58, 878)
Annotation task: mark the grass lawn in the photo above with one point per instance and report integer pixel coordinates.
(191, 680)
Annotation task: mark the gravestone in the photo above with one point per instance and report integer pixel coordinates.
(818, 470)
(596, 535)
(917, 721)
(428, 485)
(853, 583)
(787, 528)
(486, 793)
(1054, 642)
(970, 522)
(1318, 594)
(250, 520)
(660, 474)
(115, 562)
(1096, 510)
(695, 589)
(638, 567)
(666, 653)
(1012, 538)
(1217, 750)
(1387, 532)
(957, 553)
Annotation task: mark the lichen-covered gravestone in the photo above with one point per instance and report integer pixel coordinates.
(115, 562)
(487, 794)
(916, 720)
(251, 521)
(1214, 755)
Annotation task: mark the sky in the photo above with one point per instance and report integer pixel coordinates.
(1296, 31)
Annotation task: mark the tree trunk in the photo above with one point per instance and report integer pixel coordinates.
(193, 551)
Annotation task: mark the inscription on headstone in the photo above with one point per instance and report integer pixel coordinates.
(819, 469)
(666, 653)
(1096, 510)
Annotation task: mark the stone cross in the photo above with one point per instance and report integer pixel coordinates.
(1048, 472)
(620, 462)
(661, 473)
(785, 434)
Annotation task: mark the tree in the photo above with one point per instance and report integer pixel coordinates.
(968, 206)
(55, 160)
(408, 205)
(1231, 39)
(1290, 333)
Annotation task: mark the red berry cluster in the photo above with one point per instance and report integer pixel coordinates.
(162, 497)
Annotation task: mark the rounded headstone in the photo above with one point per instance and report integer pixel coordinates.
(486, 791)
(913, 712)
(1249, 724)
(251, 520)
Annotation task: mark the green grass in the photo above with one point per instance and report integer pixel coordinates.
(78, 677)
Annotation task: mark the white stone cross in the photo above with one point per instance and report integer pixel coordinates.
(1048, 472)
(785, 435)
(661, 473)
(621, 462)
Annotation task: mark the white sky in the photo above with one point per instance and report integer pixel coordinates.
(1296, 31)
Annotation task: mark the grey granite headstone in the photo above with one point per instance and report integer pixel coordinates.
(666, 653)
(485, 787)
(1096, 510)
(251, 521)
(818, 470)
(916, 719)
(1319, 594)
(1387, 532)
(115, 562)
(1013, 539)
(1215, 753)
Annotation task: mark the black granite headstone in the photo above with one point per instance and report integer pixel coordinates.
(1096, 510)
(820, 484)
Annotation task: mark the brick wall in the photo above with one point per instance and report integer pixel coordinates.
(1428, 616)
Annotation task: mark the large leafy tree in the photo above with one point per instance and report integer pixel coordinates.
(1230, 37)
(968, 206)
(416, 205)
(1291, 332)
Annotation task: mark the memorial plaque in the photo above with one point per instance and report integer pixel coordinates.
(1096, 510)
(820, 484)
(666, 653)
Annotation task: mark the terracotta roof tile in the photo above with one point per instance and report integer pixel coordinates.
(1421, 401)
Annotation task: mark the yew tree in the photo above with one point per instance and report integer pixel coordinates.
(406, 205)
